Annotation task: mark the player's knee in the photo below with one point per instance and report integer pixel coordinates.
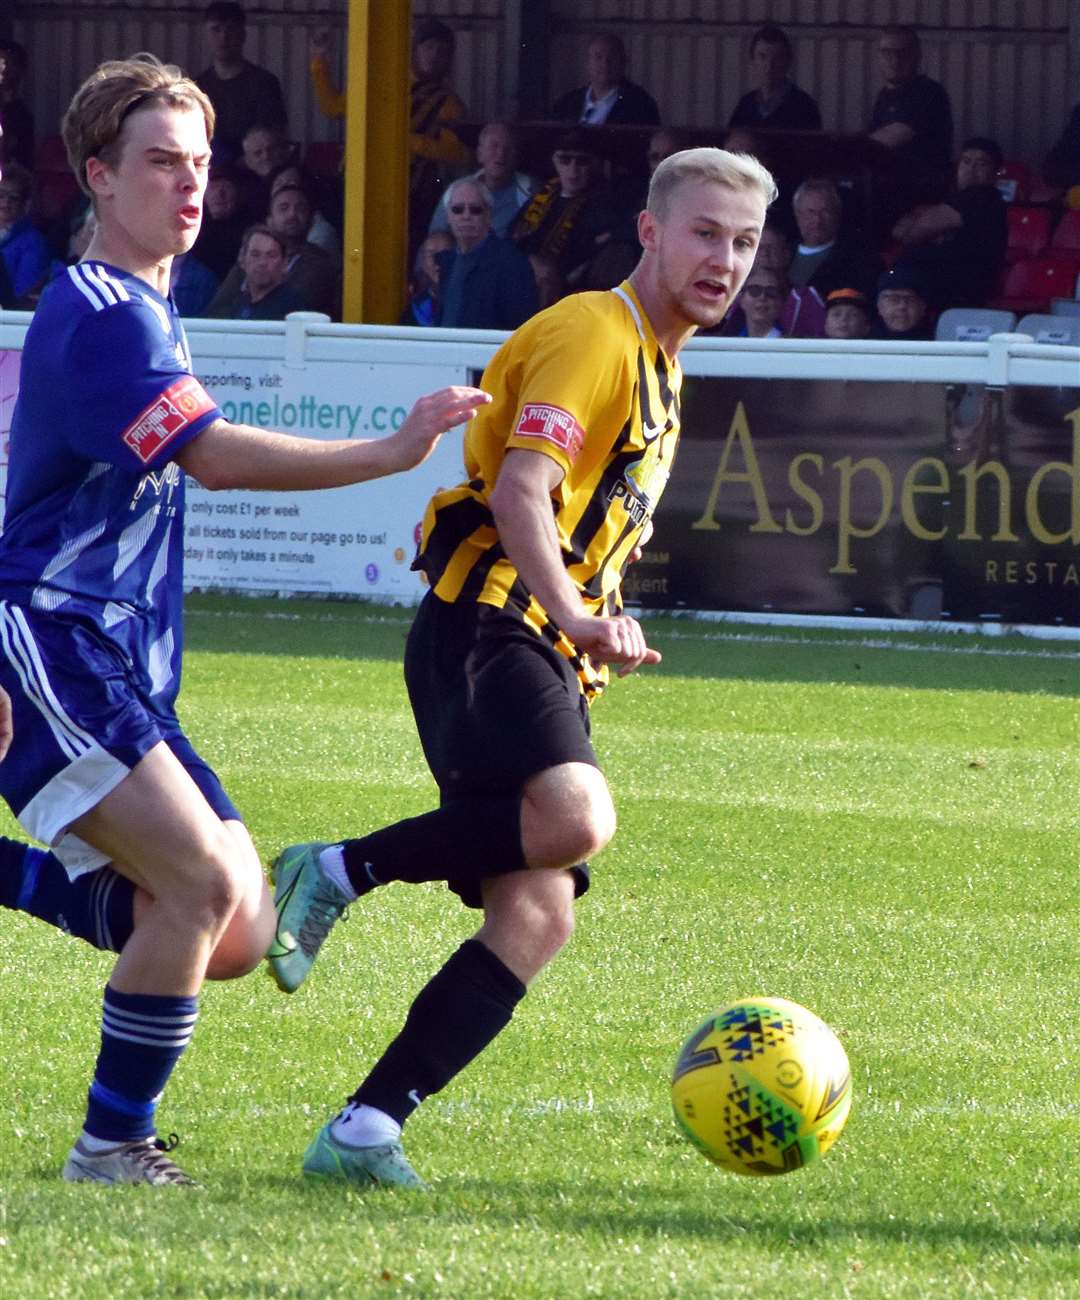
(572, 817)
(247, 937)
(212, 887)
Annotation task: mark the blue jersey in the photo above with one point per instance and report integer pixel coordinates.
(93, 528)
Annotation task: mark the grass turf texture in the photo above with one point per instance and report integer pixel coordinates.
(882, 831)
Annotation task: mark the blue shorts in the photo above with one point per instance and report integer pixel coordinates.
(81, 724)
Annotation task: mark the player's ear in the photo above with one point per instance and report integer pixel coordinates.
(647, 228)
(98, 173)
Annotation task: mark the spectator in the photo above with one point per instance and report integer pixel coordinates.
(903, 305)
(912, 114)
(663, 142)
(422, 307)
(508, 189)
(824, 260)
(620, 254)
(776, 102)
(847, 314)
(607, 98)
(959, 244)
(224, 221)
(762, 303)
(264, 150)
(310, 273)
(570, 218)
(242, 93)
(485, 282)
(16, 119)
(263, 292)
(23, 248)
(549, 285)
(1061, 166)
(437, 151)
(322, 234)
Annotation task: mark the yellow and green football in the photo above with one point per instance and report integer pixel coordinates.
(762, 1087)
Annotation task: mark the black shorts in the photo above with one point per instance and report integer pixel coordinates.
(494, 705)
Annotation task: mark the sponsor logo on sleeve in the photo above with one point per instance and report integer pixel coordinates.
(178, 407)
(551, 424)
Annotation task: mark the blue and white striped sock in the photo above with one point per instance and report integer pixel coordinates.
(97, 906)
(142, 1038)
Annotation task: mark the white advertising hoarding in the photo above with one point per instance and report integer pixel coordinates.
(348, 541)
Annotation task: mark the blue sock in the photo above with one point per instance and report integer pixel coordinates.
(97, 907)
(142, 1038)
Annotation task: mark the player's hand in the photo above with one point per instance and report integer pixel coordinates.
(6, 731)
(616, 640)
(643, 541)
(429, 419)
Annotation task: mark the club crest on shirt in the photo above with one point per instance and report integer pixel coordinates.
(174, 410)
(551, 424)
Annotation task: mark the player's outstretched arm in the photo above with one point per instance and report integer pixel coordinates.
(521, 505)
(5, 723)
(228, 455)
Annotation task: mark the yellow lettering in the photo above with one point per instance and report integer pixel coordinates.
(1031, 505)
(910, 489)
(804, 491)
(739, 433)
(971, 473)
(846, 529)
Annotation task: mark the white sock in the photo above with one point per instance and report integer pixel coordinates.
(332, 861)
(364, 1126)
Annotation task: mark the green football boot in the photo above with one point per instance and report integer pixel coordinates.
(308, 904)
(385, 1165)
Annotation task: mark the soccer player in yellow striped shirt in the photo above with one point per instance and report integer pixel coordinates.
(515, 639)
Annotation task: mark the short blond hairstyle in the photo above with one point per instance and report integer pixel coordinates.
(735, 171)
(98, 110)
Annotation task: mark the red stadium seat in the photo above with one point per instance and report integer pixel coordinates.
(1031, 284)
(1014, 180)
(1066, 234)
(1029, 232)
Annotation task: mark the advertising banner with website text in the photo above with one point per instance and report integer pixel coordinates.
(921, 500)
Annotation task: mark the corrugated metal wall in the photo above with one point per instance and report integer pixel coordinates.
(1006, 63)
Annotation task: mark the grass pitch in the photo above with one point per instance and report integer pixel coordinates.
(882, 829)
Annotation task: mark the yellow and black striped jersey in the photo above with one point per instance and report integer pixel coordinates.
(586, 383)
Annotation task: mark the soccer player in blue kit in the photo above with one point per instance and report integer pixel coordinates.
(147, 854)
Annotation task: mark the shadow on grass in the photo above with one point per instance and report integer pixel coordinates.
(592, 1208)
(355, 630)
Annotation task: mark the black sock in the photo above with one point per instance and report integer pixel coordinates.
(465, 839)
(461, 1009)
(97, 906)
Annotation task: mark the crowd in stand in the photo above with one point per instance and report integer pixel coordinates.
(490, 243)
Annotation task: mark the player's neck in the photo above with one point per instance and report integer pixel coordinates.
(119, 253)
(671, 329)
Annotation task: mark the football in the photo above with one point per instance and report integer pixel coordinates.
(762, 1087)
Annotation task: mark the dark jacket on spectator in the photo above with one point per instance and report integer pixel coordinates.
(491, 287)
(633, 106)
(794, 111)
(275, 305)
(849, 264)
(923, 105)
(1061, 165)
(253, 98)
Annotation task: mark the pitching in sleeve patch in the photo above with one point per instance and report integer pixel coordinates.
(551, 424)
(178, 407)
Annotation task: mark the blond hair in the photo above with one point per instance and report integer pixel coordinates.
(735, 171)
(98, 110)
